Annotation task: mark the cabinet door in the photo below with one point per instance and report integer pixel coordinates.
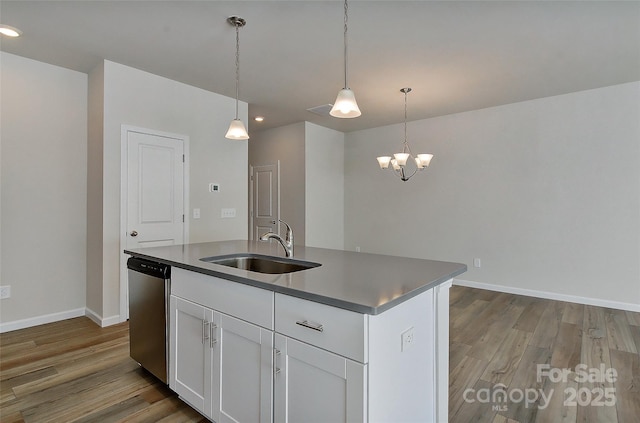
(190, 354)
(243, 372)
(314, 385)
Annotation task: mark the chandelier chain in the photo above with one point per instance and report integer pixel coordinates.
(405, 118)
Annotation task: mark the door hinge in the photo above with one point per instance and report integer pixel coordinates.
(183, 218)
(183, 158)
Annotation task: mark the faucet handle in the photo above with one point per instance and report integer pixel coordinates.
(289, 235)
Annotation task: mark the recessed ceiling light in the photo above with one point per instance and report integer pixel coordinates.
(10, 31)
(258, 118)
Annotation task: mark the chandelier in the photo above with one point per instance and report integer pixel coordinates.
(399, 162)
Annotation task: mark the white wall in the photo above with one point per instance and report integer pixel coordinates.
(43, 189)
(137, 98)
(95, 204)
(324, 182)
(287, 144)
(545, 192)
(311, 179)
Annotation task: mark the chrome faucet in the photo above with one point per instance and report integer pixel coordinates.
(286, 243)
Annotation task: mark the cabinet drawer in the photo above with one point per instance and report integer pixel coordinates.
(334, 329)
(245, 302)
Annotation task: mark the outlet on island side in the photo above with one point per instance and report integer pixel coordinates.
(408, 339)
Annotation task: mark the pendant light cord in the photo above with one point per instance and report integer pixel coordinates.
(237, 66)
(346, 62)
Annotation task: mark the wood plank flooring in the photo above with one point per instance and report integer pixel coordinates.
(75, 371)
(497, 342)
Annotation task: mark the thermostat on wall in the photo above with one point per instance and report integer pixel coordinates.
(214, 187)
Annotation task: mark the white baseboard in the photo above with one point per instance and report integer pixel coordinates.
(40, 320)
(56, 317)
(99, 320)
(550, 295)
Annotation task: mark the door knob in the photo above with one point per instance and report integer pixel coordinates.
(134, 233)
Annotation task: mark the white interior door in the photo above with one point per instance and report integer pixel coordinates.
(155, 192)
(265, 204)
(154, 195)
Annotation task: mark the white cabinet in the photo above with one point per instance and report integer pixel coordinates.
(247, 355)
(221, 365)
(356, 365)
(190, 353)
(243, 377)
(314, 385)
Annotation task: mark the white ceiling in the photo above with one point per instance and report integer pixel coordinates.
(456, 56)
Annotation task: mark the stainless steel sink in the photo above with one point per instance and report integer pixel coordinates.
(261, 264)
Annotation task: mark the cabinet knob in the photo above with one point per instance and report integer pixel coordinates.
(134, 233)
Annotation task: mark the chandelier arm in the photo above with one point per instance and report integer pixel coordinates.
(406, 178)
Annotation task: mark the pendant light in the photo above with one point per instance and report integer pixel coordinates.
(400, 160)
(237, 130)
(345, 105)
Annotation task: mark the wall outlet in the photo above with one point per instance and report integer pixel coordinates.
(5, 292)
(196, 213)
(408, 339)
(477, 263)
(213, 187)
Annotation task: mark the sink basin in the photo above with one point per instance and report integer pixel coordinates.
(261, 264)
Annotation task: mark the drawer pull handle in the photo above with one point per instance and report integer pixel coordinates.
(306, 324)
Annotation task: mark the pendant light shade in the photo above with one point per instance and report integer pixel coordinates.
(237, 130)
(345, 105)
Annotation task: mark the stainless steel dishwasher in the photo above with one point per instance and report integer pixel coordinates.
(149, 289)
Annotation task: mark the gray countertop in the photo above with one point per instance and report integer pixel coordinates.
(360, 282)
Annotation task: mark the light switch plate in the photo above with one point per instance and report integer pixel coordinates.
(5, 292)
(227, 213)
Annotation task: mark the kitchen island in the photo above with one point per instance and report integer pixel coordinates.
(355, 337)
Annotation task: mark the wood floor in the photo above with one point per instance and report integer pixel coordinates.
(74, 371)
(497, 342)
